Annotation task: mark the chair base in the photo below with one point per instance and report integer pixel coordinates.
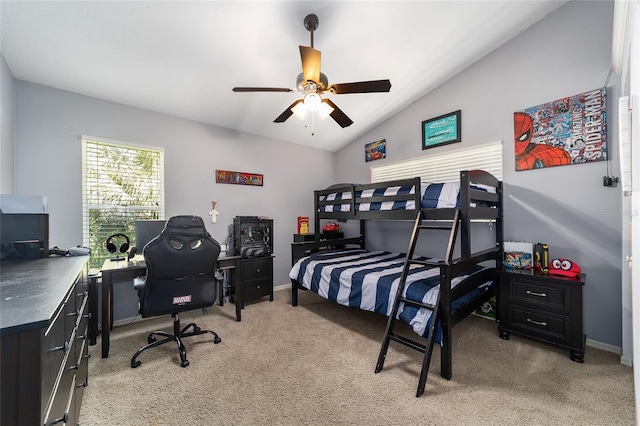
(177, 336)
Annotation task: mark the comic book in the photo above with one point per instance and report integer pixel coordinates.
(518, 255)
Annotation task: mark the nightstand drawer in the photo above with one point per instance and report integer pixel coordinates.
(547, 296)
(256, 268)
(554, 328)
(257, 288)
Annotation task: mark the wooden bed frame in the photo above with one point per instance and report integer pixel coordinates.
(475, 205)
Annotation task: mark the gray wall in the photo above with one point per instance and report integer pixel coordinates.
(50, 123)
(567, 207)
(7, 126)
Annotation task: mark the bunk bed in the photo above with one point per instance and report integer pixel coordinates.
(344, 271)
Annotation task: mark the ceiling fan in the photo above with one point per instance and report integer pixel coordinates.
(311, 83)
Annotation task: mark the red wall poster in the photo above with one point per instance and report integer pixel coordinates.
(567, 131)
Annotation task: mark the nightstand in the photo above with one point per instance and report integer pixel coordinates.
(543, 307)
(255, 280)
(256, 275)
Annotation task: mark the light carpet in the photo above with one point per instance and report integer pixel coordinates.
(314, 365)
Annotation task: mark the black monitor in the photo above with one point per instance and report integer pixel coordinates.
(147, 230)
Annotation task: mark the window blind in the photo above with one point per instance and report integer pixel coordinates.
(444, 167)
(120, 183)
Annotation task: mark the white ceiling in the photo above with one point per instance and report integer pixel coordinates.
(183, 58)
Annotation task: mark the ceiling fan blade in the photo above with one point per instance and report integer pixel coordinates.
(337, 114)
(287, 113)
(310, 63)
(261, 89)
(361, 87)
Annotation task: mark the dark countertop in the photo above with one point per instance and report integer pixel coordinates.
(31, 291)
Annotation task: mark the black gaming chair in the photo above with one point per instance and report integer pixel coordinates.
(181, 264)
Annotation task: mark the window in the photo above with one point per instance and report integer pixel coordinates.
(120, 183)
(444, 167)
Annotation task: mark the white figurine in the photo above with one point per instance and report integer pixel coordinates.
(213, 213)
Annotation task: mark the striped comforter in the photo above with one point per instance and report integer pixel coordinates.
(369, 281)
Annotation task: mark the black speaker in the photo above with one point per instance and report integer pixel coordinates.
(111, 247)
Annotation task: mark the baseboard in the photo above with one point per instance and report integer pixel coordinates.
(281, 287)
(604, 346)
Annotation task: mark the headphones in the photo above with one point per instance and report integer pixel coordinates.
(112, 247)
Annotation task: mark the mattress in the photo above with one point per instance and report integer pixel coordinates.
(368, 280)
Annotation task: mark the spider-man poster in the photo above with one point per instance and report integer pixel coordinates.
(570, 130)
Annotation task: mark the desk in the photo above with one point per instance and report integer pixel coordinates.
(128, 270)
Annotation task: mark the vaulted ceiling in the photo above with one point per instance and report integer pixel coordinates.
(183, 58)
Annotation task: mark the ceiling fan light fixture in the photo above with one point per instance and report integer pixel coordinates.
(312, 101)
(325, 110)
(299, 110)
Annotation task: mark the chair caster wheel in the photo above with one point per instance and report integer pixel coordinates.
(135, 364)
(151, 339)
(196, 329)
(217, 340)
(184, 363)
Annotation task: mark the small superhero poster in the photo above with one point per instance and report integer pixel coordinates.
(568, 131)
(375, 150)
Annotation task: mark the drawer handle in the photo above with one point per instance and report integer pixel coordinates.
(87, 315)
(73, 314)
(64, 348)
(83, 385)
(532, 293)
(536, 322)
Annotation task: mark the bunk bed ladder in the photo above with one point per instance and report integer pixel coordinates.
(389, 334)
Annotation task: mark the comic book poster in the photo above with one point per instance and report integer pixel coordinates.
(567, 131)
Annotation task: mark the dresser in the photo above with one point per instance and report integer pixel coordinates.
(544, 307)
(44, 345)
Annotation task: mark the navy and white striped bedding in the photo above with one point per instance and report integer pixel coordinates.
(434, 195)
(368, 280)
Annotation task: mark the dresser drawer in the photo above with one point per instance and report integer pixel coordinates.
(256, 268)
(546, 296)
(55, 346)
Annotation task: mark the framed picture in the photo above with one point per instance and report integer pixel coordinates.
(441, 130)
(238, 178)
(571, 130)
(375, 150)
